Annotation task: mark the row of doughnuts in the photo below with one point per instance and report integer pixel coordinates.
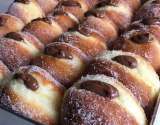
(41, 30)
(142, 36)
(84, 33)
(131, 70)
(95, 33)
(30, 90)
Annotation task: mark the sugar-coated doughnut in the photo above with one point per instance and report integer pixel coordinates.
(100, 100)
(44, 29)
(131, 70)
(19, 49)
(142, 38)
(149, 9)
(9, 23)
(103, 24)
(31, 91)
(63, 62)
(88, 40)
(119, 11)
(26, 10)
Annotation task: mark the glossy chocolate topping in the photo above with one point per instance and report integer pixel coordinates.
(107, 2)
(142, 38)
(151, 21)
(83, 30)
(58, 51)
(29, 81)
(14, 36)
(60, 13)
(92, 13)
(128, 61)
(100, 88)
(45, 19)
(71, 3)
(22, 1)
(2, 21)
(156, 2)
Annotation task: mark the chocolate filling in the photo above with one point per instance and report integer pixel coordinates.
(29, 81)
(14, 36)
(60, 13)
(58, 51)
(92, 13)
(2, 21)
(128, 61)
(100, 88)
(107, 2)
(83, 30)
(142, 38)
(22, 1)
(45, 19)
(71, 3)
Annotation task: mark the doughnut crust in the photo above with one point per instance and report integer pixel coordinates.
(42, 104)
(142, 40)
(44, 29)
(4, 71)
(81, 106)
(141, 80)
(26, 10)
(150, 9)
(19, 49)
(103, 24)
(9, 23)
(66, 65)
(119, 11)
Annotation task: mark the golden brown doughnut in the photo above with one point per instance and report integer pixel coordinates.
(132, 71)
(47, 5)
(100, 22)
(88, 40)
(120, 11)
(19, 49)
(44, 29)
(26, 10)
(142, 40)
(100, 100)
(31, 91)
(63, 62)
(9, 23)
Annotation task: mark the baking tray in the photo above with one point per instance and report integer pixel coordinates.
(154, 121)
(13, 112)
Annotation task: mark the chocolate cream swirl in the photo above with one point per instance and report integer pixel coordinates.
(58, 52)
(128, 61)
(100, 88)
(29, 80)
(14, 35)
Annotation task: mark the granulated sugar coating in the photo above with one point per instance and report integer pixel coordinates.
(84, 107)
(42, 104)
